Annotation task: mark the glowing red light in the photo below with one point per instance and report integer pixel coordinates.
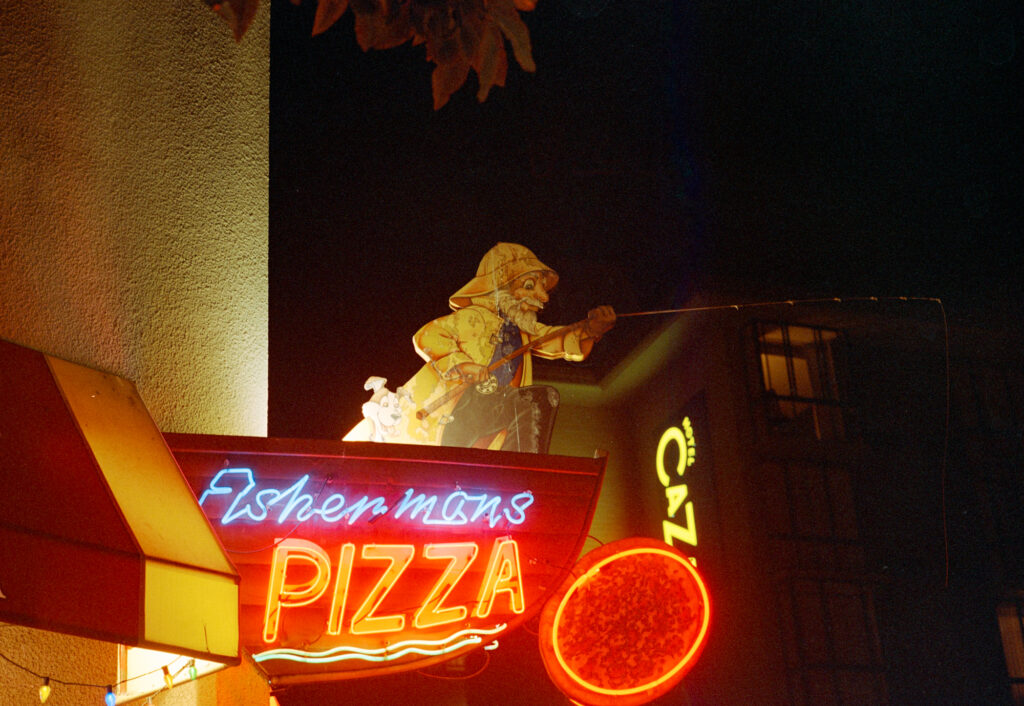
(627, 625)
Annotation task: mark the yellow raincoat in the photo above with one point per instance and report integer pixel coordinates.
(470, 334)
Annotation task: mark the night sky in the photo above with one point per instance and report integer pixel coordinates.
(749, 150)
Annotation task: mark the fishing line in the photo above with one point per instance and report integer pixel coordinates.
(781, 302)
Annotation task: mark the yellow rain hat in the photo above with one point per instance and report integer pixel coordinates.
(501, 265)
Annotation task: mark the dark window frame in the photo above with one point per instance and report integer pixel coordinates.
(823, 414)
(1016, 680)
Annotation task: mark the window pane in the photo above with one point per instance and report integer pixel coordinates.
(776, 378)
(810, 620)
(965, 406)
(821, 689)
(862, 688)
(775, 503)
(1013, 638)
(843, 510)
(798, 373)
(996, 401)
(810, 502)
(853, 644)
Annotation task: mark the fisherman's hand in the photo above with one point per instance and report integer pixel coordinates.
(472, 372)
(599, 321)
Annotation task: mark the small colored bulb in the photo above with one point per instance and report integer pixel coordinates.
(44, 690)
(168, 679)
(110, 699)
(192, 671)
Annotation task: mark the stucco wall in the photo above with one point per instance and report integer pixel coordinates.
(133, 201)
(133, 236)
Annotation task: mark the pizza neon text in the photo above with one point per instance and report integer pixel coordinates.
(501, 581)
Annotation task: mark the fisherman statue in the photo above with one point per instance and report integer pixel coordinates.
(476, 388)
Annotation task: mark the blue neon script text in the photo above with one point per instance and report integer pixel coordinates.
(295, 503)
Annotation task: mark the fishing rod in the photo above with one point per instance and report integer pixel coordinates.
(432, 406)
(781, 302)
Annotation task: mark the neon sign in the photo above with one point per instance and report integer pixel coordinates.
(502, 579)
(364, 559)
(627, 626)
(676, 494)
(279, 505)
(428, 648)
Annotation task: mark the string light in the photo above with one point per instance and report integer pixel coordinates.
(110, 699)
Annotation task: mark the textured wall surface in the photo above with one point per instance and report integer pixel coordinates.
(133, 238)
(71, 659)
(133, 201)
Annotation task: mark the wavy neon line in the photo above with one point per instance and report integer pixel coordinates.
(381, 654)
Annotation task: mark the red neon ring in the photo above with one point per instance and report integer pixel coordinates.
(573, 684)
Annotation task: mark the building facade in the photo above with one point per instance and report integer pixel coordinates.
(848, 477)
(133, 240)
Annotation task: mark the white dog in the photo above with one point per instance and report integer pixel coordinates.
(385, 409)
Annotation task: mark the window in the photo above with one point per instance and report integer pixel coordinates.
(808, 516)
(1011, 627)
(1000, 488)
(799, 381)
(988, 399)
(141, 672)
(831, 645)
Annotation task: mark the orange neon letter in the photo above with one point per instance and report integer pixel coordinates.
(398, 557)
(282, 595)
(460, 555)
(502, 576)
(345, 557)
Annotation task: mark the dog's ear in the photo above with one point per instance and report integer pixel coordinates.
(374, 383)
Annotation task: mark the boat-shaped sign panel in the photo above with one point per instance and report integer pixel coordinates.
(358, 559)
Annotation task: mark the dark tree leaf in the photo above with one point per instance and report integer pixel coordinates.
(491, 62)
(374, 32)
(459, 34)
(472, 18)
(237, 13)
(446, 79)
(327, 13)
(504, 14)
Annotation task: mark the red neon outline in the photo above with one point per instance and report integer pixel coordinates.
(687, 660)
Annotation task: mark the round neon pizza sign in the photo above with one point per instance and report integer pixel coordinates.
(627, 625)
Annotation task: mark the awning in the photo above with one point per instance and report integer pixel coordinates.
(100, 535)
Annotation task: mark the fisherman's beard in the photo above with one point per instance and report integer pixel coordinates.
(512, 309)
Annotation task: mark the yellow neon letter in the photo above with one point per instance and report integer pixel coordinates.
(676, 496)
(502, 576)
(460, 555)
(345, 557)
(671, 434)
(687, 534)
(280, 594)
(398, 557)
